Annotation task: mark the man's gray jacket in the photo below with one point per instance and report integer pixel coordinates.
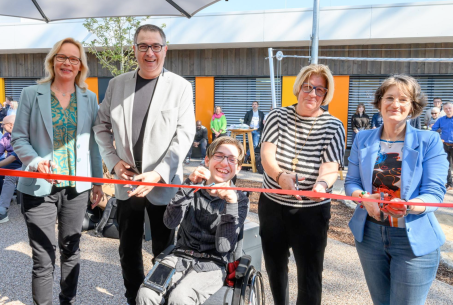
(170, 129)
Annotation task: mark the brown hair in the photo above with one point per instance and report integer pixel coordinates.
(150, 28)
(409, 86)
(315, 69)
(212, 149)
(49, 62)
(360, 105)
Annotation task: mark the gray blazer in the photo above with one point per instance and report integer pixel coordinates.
(32, 137)
(170, 129)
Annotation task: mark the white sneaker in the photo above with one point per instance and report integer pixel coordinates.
(187, 161)
(4, 218)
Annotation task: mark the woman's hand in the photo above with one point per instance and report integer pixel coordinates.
(46, 167)
(288, 181)
(395, 210)
(371, 207)
(199, 174)
(319, 187)
(96, 195)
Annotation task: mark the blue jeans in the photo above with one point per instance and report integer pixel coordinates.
(256, 140)
(394, 275)
(203, 144)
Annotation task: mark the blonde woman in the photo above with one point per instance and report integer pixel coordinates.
(306, 142)
(12, 108)
(53, 134)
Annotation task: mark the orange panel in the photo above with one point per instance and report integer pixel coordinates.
(92, 83)
(338, 107)
(288, 97)
(204, 104)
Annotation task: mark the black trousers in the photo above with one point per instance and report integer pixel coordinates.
(449, 151)
(305, 231)
(131, 216)
(40, 215)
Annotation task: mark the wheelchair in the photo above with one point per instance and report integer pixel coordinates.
(249, 285)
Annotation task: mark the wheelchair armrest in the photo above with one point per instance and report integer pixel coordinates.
(164, 253)
(244, 264)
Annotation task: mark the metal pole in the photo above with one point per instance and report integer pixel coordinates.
(315, 33)
(271, 71)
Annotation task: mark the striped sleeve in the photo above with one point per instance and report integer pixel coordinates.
(270, 133)
(334, 151)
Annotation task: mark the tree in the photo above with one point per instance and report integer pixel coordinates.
(113, 43)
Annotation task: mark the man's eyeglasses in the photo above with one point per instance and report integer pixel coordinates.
(219, 157)
(434, 112)
(72, 59)
(319, 91)
(143, 47)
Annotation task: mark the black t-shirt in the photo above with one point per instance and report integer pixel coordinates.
(144, 91)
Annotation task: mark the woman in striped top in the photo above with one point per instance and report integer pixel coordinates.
(301, 139)
(398, 244)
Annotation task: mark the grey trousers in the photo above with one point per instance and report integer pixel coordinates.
(188, 287)
(40, 215)
(9, 185)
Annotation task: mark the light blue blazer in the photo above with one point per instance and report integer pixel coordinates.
(32, 137)
(423, 176)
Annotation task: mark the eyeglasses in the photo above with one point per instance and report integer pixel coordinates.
(219, 157)
(390, 100)
(72, 59)
(434, 112)
(319, 91)
(143, 47)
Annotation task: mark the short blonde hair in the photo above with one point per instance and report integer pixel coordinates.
(409, 86)
(212, 149)
(49, 64)
(315, 69)
(13, 105)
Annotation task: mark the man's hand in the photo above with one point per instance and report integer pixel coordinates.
(122, 170)
(96, 195)
(199, 174)
(195, 144)
(46, 167)
(288, 181)
(143, 190)
(230, 196)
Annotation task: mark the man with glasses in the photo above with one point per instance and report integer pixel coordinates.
(437, 102)
(149, 112)
(434, 117)
(445, 124)
(8, 184)
(209, 224)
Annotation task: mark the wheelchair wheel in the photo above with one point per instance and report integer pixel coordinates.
(254, 291)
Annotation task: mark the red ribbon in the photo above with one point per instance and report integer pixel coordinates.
(25, 174)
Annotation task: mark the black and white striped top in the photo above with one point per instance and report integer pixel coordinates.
(325, 144)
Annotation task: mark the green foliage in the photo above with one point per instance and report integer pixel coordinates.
(113, 43)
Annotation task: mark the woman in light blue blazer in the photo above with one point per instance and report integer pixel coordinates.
(398, 244)
(53, 134)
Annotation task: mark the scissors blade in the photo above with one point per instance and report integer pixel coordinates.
(381, 205)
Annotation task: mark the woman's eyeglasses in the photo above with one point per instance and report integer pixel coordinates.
(72, 59)
(319, 91)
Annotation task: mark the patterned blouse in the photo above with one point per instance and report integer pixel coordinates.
(64, 122)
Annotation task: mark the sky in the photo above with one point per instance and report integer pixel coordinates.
(252, 5)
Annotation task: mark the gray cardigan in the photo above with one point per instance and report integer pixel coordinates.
(32, 137)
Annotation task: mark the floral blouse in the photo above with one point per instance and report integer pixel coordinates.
(64, 122)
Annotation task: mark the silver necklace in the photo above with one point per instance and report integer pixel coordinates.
(64, 94)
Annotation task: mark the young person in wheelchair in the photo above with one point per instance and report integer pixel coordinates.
(210, 221)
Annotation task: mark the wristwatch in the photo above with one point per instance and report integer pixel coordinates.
(408, 210)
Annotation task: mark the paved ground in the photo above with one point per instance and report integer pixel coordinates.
(101, 283)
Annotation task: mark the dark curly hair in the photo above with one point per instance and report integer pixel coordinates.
(409, 86)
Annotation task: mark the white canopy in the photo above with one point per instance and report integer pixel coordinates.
(53, 10)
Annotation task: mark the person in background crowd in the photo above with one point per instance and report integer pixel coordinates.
(359, 121)
(416, 122)
(12, 108)
(437, 102)
(153, 132)
(218, 123)
(200, 140)
(376, 120)
(9, 184)
(52, 134)
(254, 118)
(267, 114)
(445, 124)
(4, 109)
(435, 114)
(306, 142)
(398, 244)
(209, 223)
